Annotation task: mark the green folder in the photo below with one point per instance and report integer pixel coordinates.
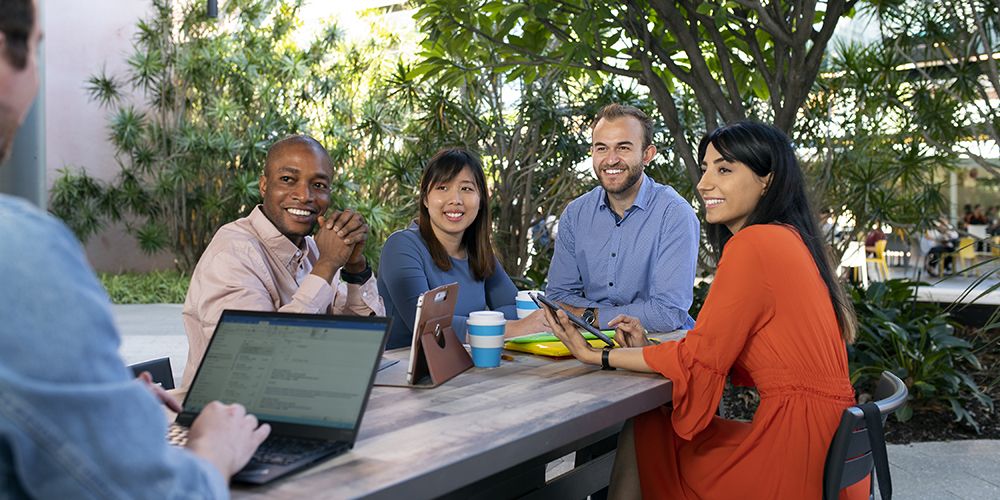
(548, 337)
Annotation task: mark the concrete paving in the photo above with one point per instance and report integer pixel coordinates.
(965, 288)
(938, 470)
(953, 469)
(152, 331)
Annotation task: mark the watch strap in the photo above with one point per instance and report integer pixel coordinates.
(356, 278)
(605, 364)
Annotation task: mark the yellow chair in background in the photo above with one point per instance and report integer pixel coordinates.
(966, 254)
(879, 259)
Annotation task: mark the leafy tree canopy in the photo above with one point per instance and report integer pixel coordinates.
(735, 59)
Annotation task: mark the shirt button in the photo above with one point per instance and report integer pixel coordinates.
(611, 284)
(613, 254)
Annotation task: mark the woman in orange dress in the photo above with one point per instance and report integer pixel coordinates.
(775, 319)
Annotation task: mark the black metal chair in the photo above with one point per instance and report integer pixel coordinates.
(859, 444)
(160, 370)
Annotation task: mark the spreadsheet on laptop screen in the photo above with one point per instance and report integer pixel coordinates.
(301, 371)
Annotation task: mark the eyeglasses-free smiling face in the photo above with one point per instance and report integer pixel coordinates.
(619, 155)
(453, 205)
(730, 190)
(296, 189)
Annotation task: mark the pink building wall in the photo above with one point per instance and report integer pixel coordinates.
(81, 37)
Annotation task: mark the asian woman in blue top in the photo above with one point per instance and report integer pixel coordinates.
(449, 242)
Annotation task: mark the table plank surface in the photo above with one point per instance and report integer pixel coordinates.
(427, 442)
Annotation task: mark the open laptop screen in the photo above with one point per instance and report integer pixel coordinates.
(286, 368)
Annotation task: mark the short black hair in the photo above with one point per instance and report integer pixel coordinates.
(297, 139)
(16, 23)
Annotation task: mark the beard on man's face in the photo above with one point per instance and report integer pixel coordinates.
(632, 175)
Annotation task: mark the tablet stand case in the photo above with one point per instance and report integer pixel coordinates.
(440, 356)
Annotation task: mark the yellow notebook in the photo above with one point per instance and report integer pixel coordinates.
(554, 349)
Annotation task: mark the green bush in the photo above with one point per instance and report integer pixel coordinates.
(915, 341)
(698, 299)
(156, 287)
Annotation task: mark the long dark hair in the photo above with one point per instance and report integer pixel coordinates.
(443, 167)
(767, 150)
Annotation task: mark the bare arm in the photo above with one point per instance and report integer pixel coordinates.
(629, 358)
(532, 323)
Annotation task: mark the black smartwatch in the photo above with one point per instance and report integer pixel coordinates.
(356, 278)
(590, 316)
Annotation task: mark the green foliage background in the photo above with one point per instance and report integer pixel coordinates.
(157, 287)
(212, 95)
(517, 84)
(917, 342)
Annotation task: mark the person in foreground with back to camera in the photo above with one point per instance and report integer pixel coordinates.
(449, 242)
(73, 422)
(774, 318)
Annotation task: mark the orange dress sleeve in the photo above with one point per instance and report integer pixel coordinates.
(739, 303)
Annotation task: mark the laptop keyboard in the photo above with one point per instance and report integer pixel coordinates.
(275, 450)
(177, 435)
(285, 450)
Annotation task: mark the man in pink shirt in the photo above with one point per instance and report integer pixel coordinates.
(268, 261)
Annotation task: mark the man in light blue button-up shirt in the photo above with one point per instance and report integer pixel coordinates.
(630, 245)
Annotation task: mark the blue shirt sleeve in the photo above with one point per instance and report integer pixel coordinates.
(73, 421)
(671, 282)
(401, 271)
(564, 281)
(501, 293)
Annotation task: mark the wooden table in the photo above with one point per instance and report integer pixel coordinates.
(485, 433)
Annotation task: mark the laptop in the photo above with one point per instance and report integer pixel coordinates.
(308, 376)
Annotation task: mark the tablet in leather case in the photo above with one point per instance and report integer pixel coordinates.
(436, 354)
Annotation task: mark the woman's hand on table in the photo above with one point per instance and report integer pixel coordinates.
(567, 332)
(532, 323)
(629, 331)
